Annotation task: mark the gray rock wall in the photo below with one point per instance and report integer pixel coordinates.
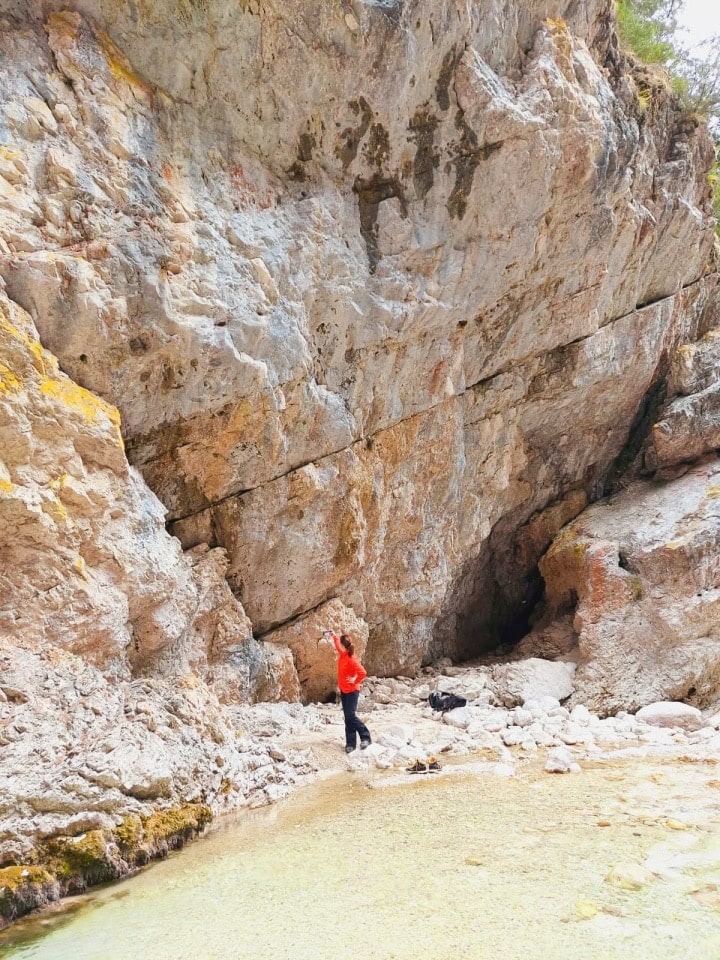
(371, 284)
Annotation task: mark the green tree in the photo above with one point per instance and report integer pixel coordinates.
(648, 28)
(701, 74)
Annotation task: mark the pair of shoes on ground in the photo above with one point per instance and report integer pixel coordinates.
(432, 766)
(364, 744)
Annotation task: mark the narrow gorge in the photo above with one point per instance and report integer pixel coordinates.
(394, 316)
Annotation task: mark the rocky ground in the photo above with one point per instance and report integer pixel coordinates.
(514, 711)
(104, 777)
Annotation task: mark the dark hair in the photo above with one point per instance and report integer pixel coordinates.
(347, 643)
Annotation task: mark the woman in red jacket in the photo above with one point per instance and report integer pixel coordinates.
(350, 677)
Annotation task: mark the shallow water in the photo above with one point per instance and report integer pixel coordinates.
(464, 865)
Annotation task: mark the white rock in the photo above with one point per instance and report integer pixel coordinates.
(469, 686)
(402, 731)
(629, 876)
(559, 760)
(705, 733)
(522, 717)
(533, 679)
(581, 715)
(393, 743)
(559, 712)
(571, 733)
(462, 717)
(512, 736)
(542, 736)
(482, 738)
(669, 713)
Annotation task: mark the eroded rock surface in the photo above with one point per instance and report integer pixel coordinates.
(354, 328)
(640, 573)
(367, 301)
(87, 565)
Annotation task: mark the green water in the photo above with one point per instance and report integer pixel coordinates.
(460, 865)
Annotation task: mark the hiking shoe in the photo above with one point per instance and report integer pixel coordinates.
(349, 749)
(364, 744)
(417, 767)
(433, 764)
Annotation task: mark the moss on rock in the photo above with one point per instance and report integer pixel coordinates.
(23, 889)
(172, 828)
(65, 865)
(80, 862)
(129, 835)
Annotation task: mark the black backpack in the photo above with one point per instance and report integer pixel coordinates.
(446, 701)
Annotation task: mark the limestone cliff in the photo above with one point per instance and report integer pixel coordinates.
(385, 293)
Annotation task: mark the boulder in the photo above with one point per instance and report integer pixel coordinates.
(667, 713)
(532, 679)
(639, 572)
(461, 717)
(402, 731)
(512, 736)
(469, 686)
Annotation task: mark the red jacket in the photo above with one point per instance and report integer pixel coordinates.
(351, 672)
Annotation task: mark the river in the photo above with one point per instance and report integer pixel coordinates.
(461, 864)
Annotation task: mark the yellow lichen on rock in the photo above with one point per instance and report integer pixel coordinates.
(87, 404)
(59, 482)
(56, 510)
(120, 66)
(40, 357)
(10, 382)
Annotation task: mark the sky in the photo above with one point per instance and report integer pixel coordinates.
(700, 20)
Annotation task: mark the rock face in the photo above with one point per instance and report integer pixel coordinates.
(81, 751)
(641, 573)
(365, 301)
(315, 658)
(87, 564)
(342, 322)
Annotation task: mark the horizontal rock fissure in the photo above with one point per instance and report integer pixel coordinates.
(472, 386)
(655, 300)
(296, 616)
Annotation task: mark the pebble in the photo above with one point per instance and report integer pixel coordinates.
(629, 876)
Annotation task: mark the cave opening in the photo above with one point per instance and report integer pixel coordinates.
(498, 599)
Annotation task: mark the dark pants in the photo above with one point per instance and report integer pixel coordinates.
(353, 724)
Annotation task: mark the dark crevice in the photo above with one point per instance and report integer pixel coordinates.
(642, 424)
(291, 620)
(667, 296)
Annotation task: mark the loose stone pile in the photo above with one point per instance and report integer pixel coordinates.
(81, 753)
(513, 712)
